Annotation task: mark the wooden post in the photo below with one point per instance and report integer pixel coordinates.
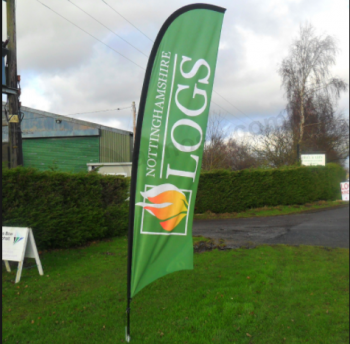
(8, 268)
(15, 134)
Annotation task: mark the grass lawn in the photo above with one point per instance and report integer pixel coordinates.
(273, 211)
(277, 294)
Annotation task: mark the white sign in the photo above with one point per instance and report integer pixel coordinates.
(313, 159)
(345, 191)
(18, 243)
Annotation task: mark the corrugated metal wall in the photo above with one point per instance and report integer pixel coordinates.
(67, 154)
(115, 147)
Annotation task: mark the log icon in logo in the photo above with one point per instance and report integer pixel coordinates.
(167, 203)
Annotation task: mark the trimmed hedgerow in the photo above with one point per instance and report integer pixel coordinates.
(64, 209)
(227, 192)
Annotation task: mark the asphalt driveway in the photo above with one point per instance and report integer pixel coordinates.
(329, 228)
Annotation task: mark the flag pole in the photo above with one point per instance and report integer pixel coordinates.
(131, 232)
(128, 310)
(131, 237)
(135, 160)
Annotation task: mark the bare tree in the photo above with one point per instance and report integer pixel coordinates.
(215, 155)
(274, 146)
(224, 152)
(306, 76)
(326, 130)
(241, 155)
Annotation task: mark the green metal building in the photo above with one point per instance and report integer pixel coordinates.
(68, 144)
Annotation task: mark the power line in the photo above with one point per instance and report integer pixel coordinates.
(107, 28)
(153, 42)
(91, 35)
(117, 109)
(127, 21)
(228, 112)
(132, 46)
(233, 105)
(85, 113)
(81, 113)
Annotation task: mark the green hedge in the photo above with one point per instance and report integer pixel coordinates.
(228, 192)
(64, 209)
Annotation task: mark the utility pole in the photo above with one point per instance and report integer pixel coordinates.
(134, 117)
(15, 134)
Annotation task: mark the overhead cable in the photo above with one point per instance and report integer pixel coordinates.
(80, 113)
(153, 42)
(98, 111)
(233, 105)
(132, 46)
(127, 20)
(108, 28)
(91, 35)
(228, 112)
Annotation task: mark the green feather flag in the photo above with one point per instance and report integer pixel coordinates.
(169, 144)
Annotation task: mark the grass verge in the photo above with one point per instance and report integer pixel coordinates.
(272, 211)
(271, 294)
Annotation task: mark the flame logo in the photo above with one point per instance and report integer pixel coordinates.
(169, 206)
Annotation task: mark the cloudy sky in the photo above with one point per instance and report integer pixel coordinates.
(66, 71)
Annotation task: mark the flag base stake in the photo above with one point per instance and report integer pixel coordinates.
(127, 337)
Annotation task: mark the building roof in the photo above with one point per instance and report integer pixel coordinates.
(37, 123)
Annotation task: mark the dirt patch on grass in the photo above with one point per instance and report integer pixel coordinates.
(209, 245)
(221, 245)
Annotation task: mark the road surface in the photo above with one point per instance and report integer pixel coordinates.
(329, 228)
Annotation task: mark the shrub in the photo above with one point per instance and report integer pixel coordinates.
(64, 209)
(227, 192)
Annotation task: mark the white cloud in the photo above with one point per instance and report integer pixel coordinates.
(33, 98)
(66, 71)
